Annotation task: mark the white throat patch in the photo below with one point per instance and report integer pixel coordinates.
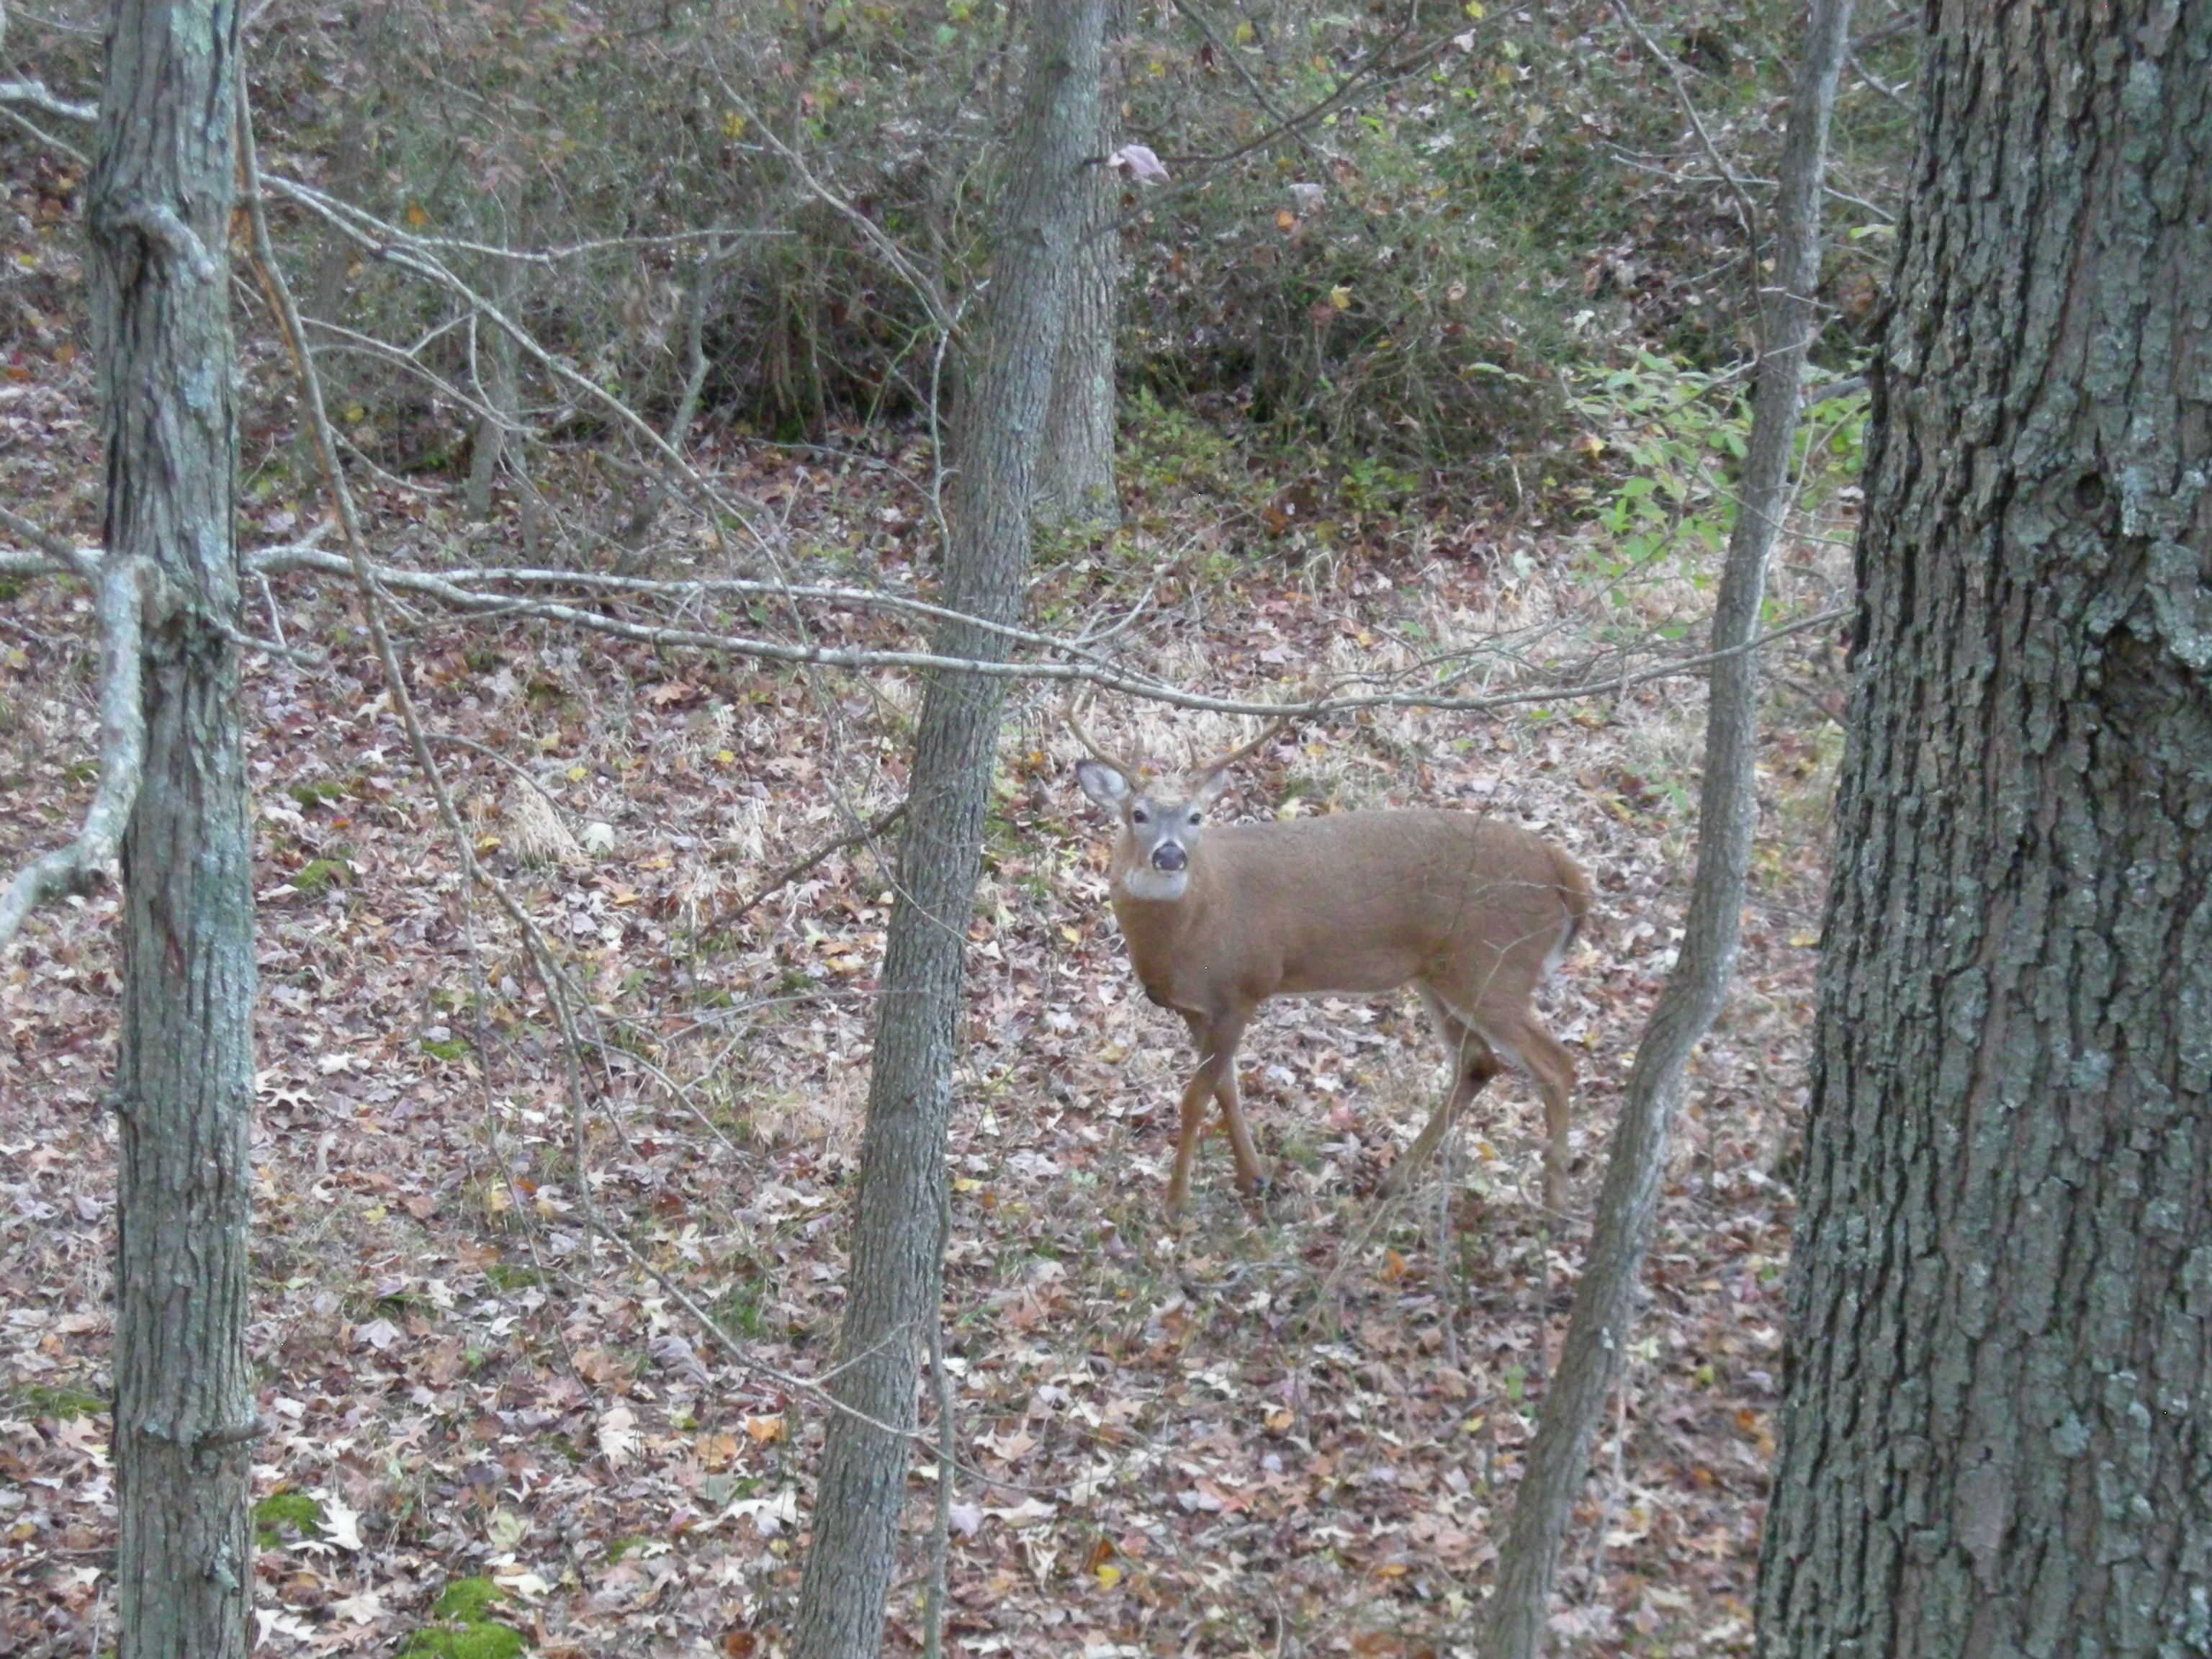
(1158, 886)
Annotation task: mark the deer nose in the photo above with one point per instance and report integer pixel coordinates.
(1169, 855)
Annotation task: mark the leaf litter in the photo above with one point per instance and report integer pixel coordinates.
(1169, 1441)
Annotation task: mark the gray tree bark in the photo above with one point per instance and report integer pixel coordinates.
(1075, 467)
(158, 216)
(1998, 1431)
(1727, 811)
(893, 1288)
(497, 388)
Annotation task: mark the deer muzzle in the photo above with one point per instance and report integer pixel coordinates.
(1169, 856)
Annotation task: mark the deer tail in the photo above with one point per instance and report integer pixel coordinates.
(1574, 898)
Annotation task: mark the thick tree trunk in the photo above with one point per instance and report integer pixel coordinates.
(1997, 1434)
(158, 213)
(893, 1288)
(1727, 810)
(1075, 468)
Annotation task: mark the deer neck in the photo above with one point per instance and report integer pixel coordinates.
(1159, 914)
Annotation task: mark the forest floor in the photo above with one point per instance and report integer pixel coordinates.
(1293, 1431)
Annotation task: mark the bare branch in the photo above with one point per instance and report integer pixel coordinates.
(33, 94)
(929, 292)
(1105, 676)
(58, 549)
(73, 868)
(395, 246)
(791, 872)
(1666, 62)
(59, 146)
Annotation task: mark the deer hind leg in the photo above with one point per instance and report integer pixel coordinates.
(1473, 1066)
(1553, 1068)
(1522, 1038)
(1216, 1077)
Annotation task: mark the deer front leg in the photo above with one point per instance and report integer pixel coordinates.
(1215, 1078)
(1195, 1095)
(1226, 1036)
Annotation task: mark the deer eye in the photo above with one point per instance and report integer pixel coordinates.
(1141, 816)
(1196, 814)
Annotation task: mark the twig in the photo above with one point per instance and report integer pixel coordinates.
(783, 877)
(59, 146)
(1666, 61)
(1105, 678)
(496, 759)
(1895, 94)
(704, 283)
(557, 989)
(397, 247)
(925, 290)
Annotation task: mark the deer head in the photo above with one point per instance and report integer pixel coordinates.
(1162, 820)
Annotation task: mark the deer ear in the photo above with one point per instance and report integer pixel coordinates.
(1209, 789)
(1102, 782)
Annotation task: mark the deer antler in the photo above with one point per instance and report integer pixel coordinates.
(1130, 773)
(1223, 762)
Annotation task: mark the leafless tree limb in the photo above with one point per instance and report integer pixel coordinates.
(452, 590)
(1666, 62)
(791, 872)
(33, 94)
(73, 868)
(397, 247)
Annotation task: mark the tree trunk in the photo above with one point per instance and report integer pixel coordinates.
(1075, 468)
(352, 162)
(498, 393)
(1727, 810)
(158, 214)
(893, 1288)
(1997, 1426)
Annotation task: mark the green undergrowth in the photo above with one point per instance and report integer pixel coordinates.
(466, 1628)
(282, 1511)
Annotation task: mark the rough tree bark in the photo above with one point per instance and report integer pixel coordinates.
(894, 1280)
(492, 439)
(1997, 1432)
(158, 216)
(1604, 1309)
(1075, 468)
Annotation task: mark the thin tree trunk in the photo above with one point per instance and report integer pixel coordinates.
(498, 388)
(158, 214)
(1997, 1427)
(1075, 468)
(894, 1283)
(1597, 1329)
(352, 160)
(705, 283)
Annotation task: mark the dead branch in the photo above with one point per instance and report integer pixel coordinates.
(33, 94)
(791, 872)
(1666, 62)
(57, 549)
(73, 868)
(395, 246)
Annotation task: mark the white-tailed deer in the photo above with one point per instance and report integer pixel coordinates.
(1474, 914)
